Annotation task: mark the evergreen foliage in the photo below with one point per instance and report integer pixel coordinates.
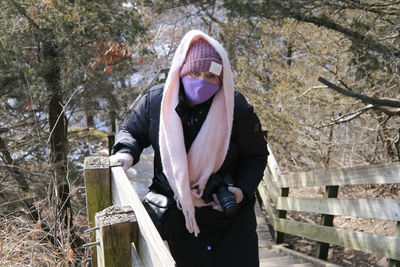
(58, 59)
(94, 58)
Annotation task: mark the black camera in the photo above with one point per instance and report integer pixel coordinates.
(218, 184)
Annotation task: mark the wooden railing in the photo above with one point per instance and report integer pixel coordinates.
(274, 193)
(106, 186)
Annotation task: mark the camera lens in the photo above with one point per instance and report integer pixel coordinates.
(227, 200)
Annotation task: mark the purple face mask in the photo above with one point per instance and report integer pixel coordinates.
(199, 91)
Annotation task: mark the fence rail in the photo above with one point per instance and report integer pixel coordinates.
(274, 194)
(150, 248)
(108, 185)
(382, 174)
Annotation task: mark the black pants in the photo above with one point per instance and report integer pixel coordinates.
(222, 241)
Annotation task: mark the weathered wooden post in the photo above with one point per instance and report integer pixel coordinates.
(392, 262)
(326, 220)
(281, 214)
(117, 229)
(98, 192)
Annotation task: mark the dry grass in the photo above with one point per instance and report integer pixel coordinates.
(47, 242)
(24, 243)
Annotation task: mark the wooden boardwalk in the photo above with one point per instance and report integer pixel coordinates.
(270, 254)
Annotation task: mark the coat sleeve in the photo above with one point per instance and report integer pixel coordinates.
(134, 134)
(252, 150)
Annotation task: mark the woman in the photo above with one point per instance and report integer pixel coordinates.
(201, 129)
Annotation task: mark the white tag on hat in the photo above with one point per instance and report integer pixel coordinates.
(215, 68)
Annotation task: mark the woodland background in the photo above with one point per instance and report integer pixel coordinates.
(323, 77)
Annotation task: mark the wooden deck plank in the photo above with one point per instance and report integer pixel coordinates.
(262, 264)
(268, 253)
(278, 260)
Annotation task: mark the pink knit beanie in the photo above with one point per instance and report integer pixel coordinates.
(200, 57)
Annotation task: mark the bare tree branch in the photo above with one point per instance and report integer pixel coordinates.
(389, 111)
(4, 129)
(59, 115)
(397, 145)
(366, 40)
(362, 97)
(23, 12)
(22, 169)
(309, 89)
(346, 117)
(387, 9)
(284, 9)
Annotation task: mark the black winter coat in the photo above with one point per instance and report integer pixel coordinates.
(223, 241)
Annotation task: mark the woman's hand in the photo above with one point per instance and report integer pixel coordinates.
(125, 159)
(217, 205)
(236, 191)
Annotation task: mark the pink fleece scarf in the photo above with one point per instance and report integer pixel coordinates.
(187, 173)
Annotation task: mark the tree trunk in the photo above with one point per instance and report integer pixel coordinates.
(289, 60)
(15, 173)
(58, 130)
(58, 140)
(89, 119)
(113, 116)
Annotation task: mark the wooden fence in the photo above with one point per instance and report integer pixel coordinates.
(106, 186)
(274, 194)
